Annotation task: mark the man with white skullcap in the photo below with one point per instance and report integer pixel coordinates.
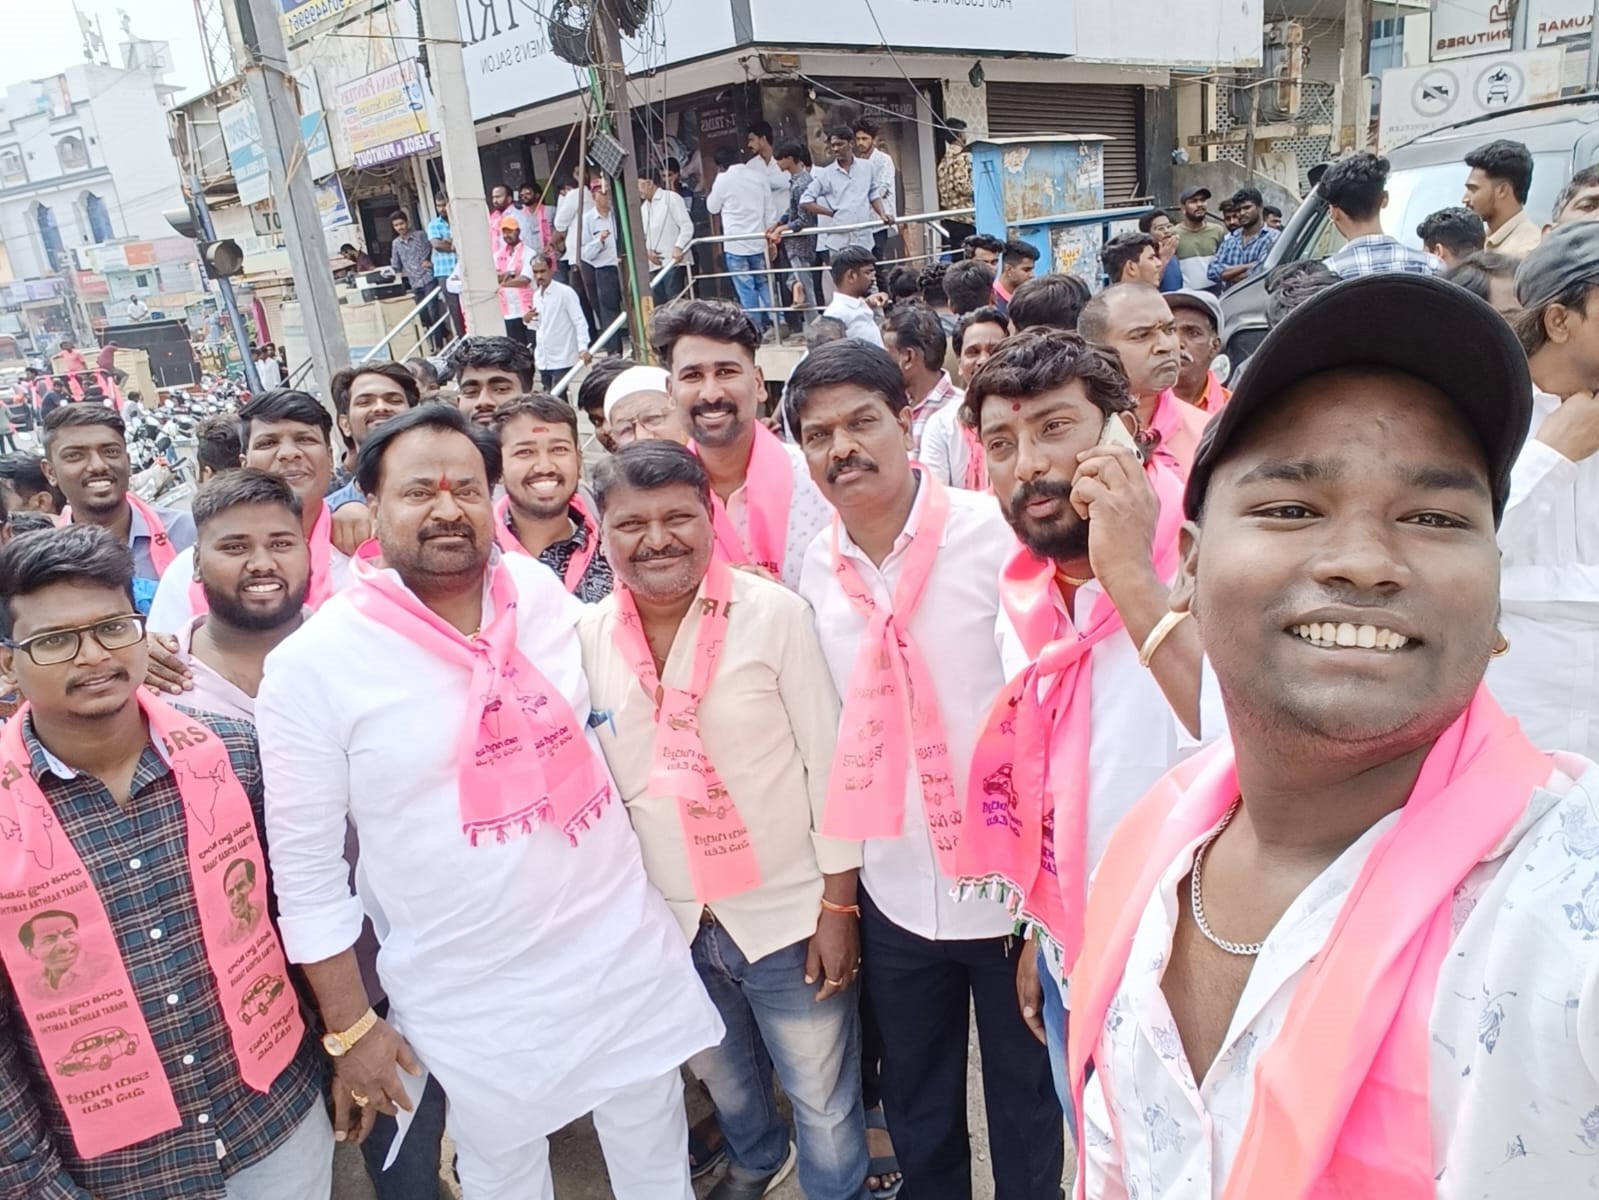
(637, 408)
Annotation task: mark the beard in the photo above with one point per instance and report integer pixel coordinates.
(1062, 538)
(524, 502)
(421, 559)
(715, 438)
(230, 610)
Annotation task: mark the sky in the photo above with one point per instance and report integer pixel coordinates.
(42, 38)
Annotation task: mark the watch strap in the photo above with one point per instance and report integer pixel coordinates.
(356, 1032)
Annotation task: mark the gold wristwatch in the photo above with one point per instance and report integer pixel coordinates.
(340, 1044)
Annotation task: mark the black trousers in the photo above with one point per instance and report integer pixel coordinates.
(925, 989)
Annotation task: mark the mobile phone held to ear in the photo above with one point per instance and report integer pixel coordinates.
(1117, 434)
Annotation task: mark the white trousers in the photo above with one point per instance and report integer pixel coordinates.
(643, 1132)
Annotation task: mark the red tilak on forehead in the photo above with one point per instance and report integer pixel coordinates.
(445, 485)
(1015, 407)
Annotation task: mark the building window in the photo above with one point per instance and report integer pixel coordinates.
(1387, 52)
(72, 153)
(99, 218)
(55, 253)
(12, 168)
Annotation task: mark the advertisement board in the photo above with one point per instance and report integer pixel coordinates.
(385, 115)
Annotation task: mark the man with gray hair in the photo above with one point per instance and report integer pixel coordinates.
(1550, 535)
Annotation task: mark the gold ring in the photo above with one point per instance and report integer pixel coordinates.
(360, 1100)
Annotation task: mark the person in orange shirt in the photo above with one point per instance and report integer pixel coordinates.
(1199, 332)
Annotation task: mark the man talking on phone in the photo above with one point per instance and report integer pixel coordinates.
(1101, 677)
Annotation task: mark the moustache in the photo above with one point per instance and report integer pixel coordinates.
(853, 463)
(77, 683)
(458, 529)
(1039, 489)
(645, 554)
(716, 406)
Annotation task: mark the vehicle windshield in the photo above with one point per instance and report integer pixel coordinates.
(1416, 192)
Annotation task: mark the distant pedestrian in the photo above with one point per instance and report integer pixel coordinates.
(1496, 190)
(1450, 234)
(741, 195)
(1242, 251)
(1355, 190)
(558, 319)
(511, 265)
(854, 273)
(1016, 265)
(600, 269)
(442, 240)
(1198, 237)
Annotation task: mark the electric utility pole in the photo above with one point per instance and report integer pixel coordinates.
(628, 206)
(265, 60)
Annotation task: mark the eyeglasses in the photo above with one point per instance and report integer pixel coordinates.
(62, 645)
(644, 423)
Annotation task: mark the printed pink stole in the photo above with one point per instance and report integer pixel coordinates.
(522, 756)
(512, 262)
(768, 493)
(162, 551)
(1022, 843)
(721, 857)
(320, 545)
(1341, 1093)
(505, 535)
(92, 1037)
(975, 477)
(890, 705)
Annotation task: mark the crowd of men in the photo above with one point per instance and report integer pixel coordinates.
(1223, 754)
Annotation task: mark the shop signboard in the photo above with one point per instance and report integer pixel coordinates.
(241, 134)
(1007, 26)
(385, 115)
(300, 17)
(1461, 28)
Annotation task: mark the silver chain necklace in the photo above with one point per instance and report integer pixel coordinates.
(1242, 949)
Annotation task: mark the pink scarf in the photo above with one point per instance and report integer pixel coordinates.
(320, 544)
(87, 1020)
(768, 492)
(1175, 431)
(1341, 1094)
(1021, 843)
(510, 260)
(523, 756)
(505, 535)
(721, 857)
(890, 703)
(161, 549)
(975, 478)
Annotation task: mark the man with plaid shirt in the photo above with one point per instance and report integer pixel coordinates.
(1355, 190)
(1242, 251)
(77, 652)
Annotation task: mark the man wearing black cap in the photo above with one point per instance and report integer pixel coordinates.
(1366, 920)
(1549, 679)
(1197, 237)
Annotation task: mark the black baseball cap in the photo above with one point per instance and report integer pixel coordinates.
(1419, 324)
(1190, 192)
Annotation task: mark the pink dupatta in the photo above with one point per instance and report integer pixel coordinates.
(1341, 1093)
(721, 857)
(505, 535)
(524, 759)
(891, 722)
(768, 492)
(92, 1037)
(1021, 843)
(320, 545)
(162, 552)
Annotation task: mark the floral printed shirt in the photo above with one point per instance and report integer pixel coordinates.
(1514, 1081)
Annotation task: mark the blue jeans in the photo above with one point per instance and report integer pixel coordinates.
(1055, 1018)
(749, 281)
(773, 1019)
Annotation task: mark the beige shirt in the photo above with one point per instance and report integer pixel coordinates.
(769, 722)
(1517, 237)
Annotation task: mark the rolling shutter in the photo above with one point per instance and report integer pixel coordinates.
(1111, 110)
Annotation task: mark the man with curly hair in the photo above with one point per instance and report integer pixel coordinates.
(1356, 191)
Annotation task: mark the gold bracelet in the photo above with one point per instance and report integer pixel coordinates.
(1159, 634)
(853, 910)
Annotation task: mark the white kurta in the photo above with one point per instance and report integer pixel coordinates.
(533, 977)
(944, 450)
(1514, 1062)
(1549, 586)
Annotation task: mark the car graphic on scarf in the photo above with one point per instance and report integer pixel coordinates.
(98, 1050)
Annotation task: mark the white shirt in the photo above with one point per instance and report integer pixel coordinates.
(1514, 1051)
(884, 176)
(953, 628)
(744, 199)
(558, 963)
(944, 450)
(172, 609)
(1549, 588)
(859, 318)
(776, 179)
(598, 252)
(1136, 736)
(565, 220)
(808, 513)
(562, 328)
(270, 372)
(667, 225)
(849, 194)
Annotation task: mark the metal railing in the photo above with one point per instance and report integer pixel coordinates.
(935, 250)
(416, 311)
